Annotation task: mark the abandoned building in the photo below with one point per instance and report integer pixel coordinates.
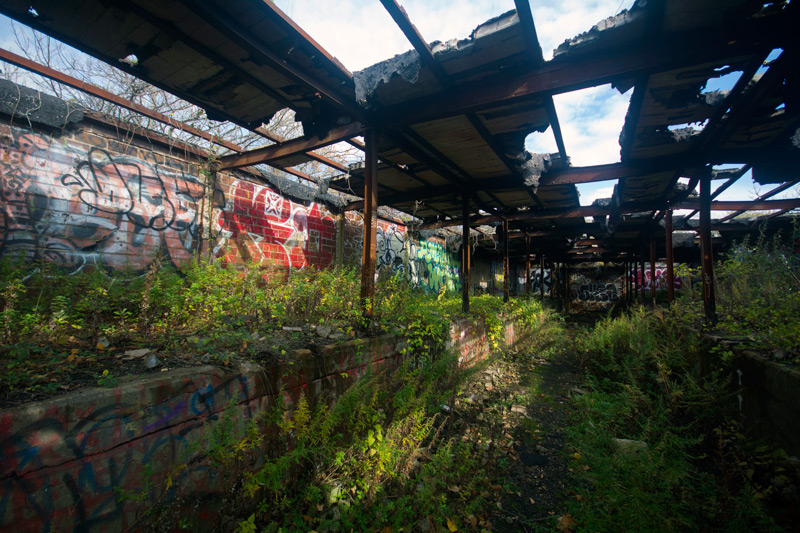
(445, 192)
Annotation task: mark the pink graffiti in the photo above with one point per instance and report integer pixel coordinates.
(661, 279)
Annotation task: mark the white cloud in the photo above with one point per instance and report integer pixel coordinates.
(590, 194)
(591, 121)
(361, 33)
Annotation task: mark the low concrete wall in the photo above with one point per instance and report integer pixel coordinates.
(770, 402)
(63, 461)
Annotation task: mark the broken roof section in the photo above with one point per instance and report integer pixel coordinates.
(453, 116)
(479, 153)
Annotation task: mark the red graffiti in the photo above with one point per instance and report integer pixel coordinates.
(267, 228)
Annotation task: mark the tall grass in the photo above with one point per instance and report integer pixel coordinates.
(646, 383)
(758, 293)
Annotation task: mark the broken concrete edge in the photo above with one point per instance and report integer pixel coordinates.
(624, 20)
(768, 393)
(36, 107)
(151, 403)
(407, 64)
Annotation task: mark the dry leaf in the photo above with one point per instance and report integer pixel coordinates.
(451, 525)
(473, 521)
(577, 456)
(566, 523)
(71, 358)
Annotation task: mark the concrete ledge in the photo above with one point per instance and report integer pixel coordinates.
(62, 460)
(770, 399)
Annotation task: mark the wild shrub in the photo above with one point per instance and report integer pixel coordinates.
(758, 293)
(647, 383)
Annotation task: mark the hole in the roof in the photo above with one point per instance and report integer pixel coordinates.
(772, 56)
(591, 120)
(693, 126)
(725, 82)
(589, 192)
(32, 11)
(780, 106)
(130, 59)
(541, 142)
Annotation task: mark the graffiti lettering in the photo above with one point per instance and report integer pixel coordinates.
(598, 292)
(76, 206)
(60, 473)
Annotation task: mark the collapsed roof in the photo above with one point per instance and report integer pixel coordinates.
(452, 117)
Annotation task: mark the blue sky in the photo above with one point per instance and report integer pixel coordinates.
(360, 33)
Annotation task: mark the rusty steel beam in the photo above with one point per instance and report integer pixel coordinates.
(370, 223)
(505, 262)
(595, 211)
(709, 302)
(670, 256)
(653, 266)
(313, 156)
(97, 92)
(777, 190)
(465, 256)
(269, 153)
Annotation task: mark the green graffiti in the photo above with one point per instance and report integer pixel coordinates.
(436, 267)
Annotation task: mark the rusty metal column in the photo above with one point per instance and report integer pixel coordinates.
(541, 275)
(505, 261)
(465, 254)
(643, 286)
(370, 222)
(670, 257)
(528, 265)
(628, 280)
(566, 287)
(705, 246)
(653, 266)
(340, 239)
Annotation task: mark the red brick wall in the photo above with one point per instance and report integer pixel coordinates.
(85, 197)
(95, 195)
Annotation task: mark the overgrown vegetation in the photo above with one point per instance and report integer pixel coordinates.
(61, 331)
(390, 452)
(758, 296)
(656, 439)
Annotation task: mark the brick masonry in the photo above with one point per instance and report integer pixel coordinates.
(62, 461)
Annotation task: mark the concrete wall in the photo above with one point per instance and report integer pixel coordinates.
(62, 461)
(770, 399)
(80, 190)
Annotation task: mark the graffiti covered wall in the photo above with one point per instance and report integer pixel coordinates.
(65, 462)
(426, 262)
(83, 198)
(660, 280)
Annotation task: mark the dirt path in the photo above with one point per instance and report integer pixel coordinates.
(520, 404)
